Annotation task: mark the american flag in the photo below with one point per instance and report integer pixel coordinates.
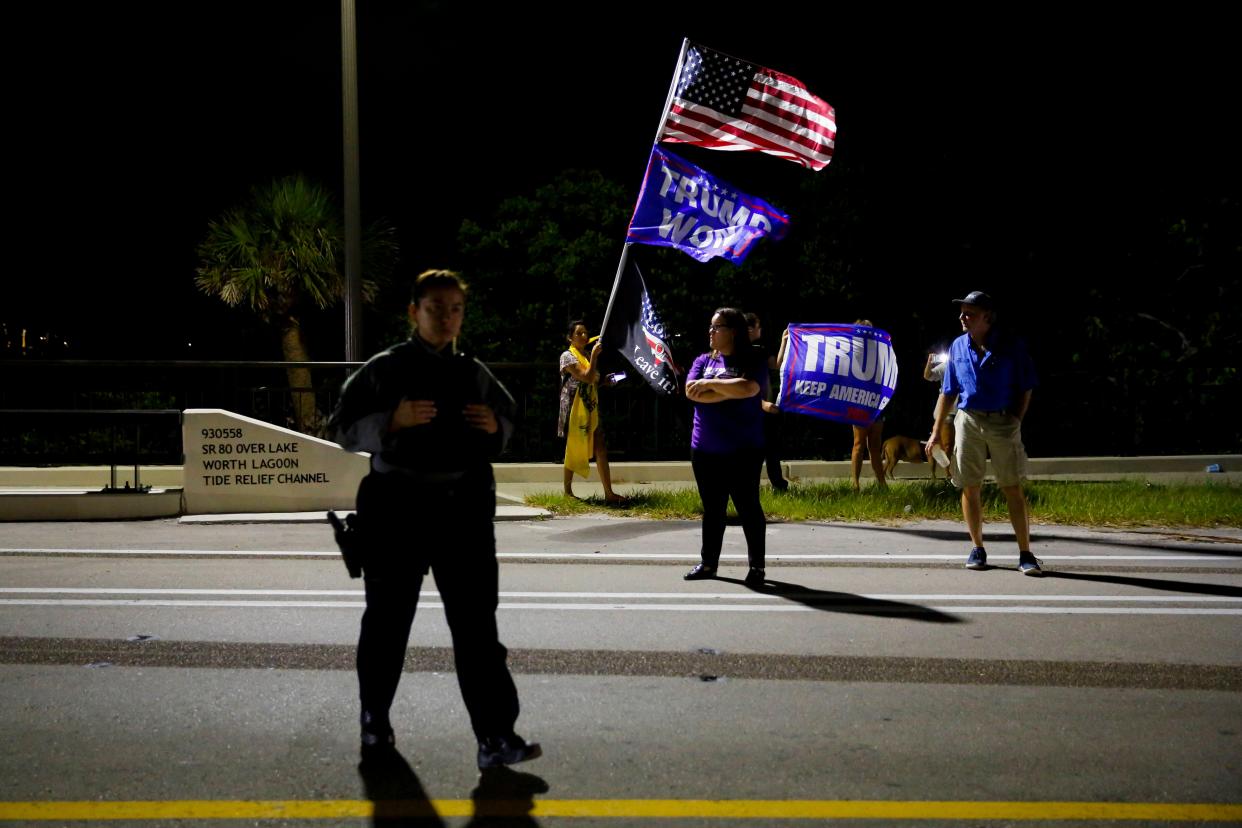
(724, 103)
(653, 329)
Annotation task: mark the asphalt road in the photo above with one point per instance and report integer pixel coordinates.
(152, 671)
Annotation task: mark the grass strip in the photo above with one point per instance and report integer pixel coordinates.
(1120, 503)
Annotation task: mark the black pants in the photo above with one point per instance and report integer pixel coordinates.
(723, 476)
(772, 449)
(449, 531)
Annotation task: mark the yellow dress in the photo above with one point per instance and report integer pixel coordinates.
(583, 419)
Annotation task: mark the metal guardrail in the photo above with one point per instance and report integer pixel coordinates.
(258, 389)
(117, 433)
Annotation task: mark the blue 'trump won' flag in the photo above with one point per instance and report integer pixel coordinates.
(844, 373)
(684, 206)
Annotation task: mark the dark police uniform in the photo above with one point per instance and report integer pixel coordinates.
(428, 504)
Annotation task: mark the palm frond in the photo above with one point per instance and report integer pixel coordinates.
(285, 247)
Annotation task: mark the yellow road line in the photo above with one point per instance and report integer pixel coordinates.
(633, 808)
(856, 809)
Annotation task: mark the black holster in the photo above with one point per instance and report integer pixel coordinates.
(350, 540)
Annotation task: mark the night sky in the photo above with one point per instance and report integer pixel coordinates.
(1014, 153)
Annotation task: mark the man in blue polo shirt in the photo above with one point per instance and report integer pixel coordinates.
(991, 377)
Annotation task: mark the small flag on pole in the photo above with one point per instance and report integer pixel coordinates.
(721, 102)
(634, 328)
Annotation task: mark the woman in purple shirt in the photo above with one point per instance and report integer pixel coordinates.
(727, 386)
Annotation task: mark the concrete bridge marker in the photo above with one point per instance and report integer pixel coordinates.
(238, 464)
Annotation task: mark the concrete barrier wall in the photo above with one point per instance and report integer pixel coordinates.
(71, 504)
(238, 464)
(89, 477)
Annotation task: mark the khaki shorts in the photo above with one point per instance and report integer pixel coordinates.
(979, 435)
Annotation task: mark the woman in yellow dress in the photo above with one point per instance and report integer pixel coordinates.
(579, 412)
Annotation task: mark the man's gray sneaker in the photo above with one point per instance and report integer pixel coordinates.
(1028, 564)
(978, 559)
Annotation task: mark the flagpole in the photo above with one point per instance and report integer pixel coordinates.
(616, 284)
(625, 250)
(672, 88)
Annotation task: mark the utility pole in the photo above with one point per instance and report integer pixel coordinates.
(353, 212)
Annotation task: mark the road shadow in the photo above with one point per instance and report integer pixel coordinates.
(846, 602)
(1203, 547)
(505, 798)
(625, 530)
(396, 792)
(1162, 584)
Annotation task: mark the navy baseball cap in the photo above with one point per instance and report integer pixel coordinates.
(977, 298)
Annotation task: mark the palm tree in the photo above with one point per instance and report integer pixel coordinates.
(280, 255)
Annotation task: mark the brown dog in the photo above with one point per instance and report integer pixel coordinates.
(903, 448)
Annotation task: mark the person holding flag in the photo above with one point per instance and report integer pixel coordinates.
(871, 438)
(578, 422)
(772, 422)
(726, 387)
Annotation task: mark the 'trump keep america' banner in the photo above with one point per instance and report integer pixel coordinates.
(844, 373)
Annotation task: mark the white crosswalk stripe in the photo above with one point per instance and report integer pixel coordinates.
(747, 602)
(636, 556)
